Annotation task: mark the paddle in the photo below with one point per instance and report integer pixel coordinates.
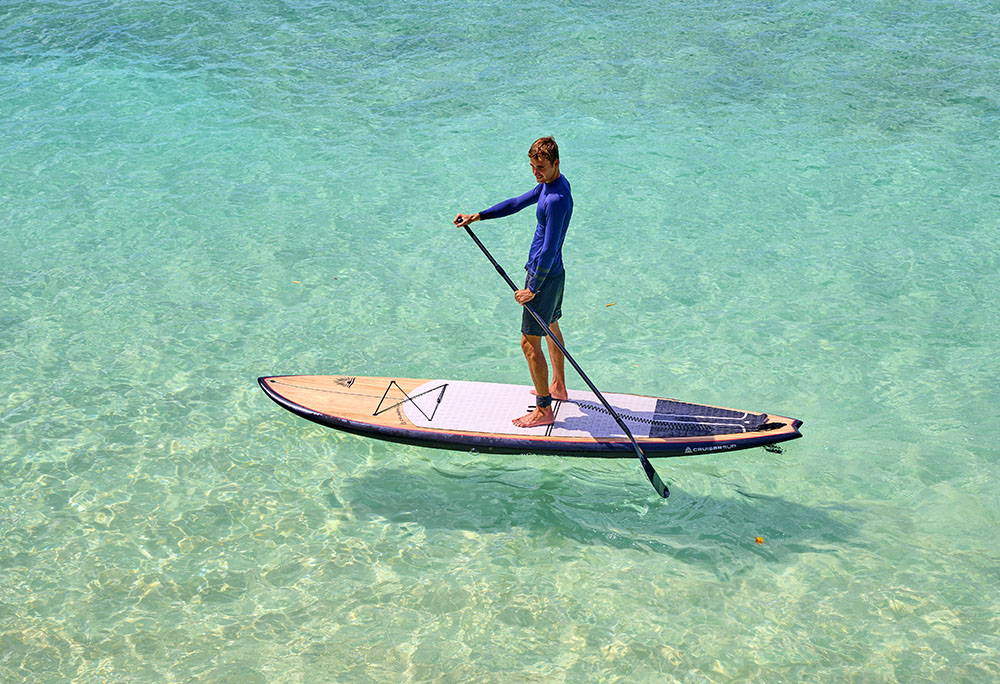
(654, 479)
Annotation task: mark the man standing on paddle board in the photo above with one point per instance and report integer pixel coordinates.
(543, 286)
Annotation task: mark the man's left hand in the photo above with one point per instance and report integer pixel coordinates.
(524, 296)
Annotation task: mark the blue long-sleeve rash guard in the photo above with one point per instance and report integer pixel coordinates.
(555, 207)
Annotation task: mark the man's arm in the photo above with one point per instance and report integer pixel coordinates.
(505, 208)
(512, 205)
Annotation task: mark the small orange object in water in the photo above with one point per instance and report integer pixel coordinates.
(759, 540)
(607, 305)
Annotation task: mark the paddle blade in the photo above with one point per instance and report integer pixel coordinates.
(654, 478)
(659, 486)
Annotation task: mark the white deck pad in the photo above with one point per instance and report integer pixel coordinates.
(490, 407)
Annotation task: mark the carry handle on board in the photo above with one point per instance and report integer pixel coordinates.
(654, 479)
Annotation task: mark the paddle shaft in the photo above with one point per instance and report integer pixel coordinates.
(654, 479)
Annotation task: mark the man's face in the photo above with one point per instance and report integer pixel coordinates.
(545, 171)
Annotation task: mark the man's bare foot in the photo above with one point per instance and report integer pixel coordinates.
(558, 393)
(540, 416)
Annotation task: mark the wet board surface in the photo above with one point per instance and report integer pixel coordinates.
(460, 414)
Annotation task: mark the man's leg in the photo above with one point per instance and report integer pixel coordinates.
(558, 387)
(531, 345)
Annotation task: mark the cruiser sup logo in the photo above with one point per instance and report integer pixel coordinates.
(709, 449)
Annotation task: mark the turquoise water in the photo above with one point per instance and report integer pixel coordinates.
(793, 207)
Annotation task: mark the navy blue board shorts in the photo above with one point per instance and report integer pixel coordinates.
(547, 304)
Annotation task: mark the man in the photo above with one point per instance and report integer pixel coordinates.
(543, 286)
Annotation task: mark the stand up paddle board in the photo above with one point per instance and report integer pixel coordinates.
(463, 415)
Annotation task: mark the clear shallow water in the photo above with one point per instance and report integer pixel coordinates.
(793, 207)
